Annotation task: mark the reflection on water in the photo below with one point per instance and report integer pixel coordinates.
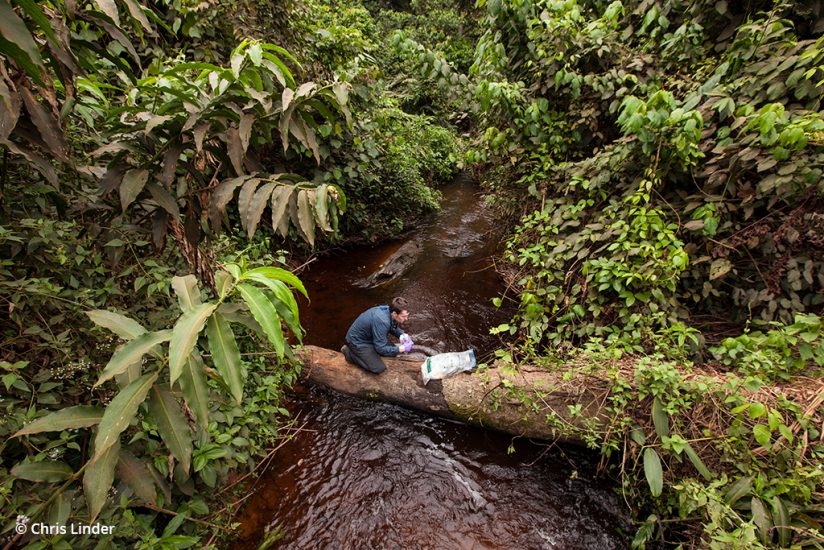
(372, 475)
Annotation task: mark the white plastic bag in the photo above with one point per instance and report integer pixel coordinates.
(444, 365)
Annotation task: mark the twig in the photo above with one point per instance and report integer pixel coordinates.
(173, 513)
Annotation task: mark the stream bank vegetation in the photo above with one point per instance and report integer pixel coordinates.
(663, 160)
(166, 166)
(165, 163)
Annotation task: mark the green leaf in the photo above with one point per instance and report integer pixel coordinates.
(20, 44)
(80, 416)
(136, 12)
(195, 390)
(762, 434)
(133, 183)
(660, 418)
(123, 326)
(33, 11)
(109, 8)
(131, 352)
(322, 207)
(225, 354)
(264, 313)
(47, 470)
(136, 475)
(120, 411)
(280, 201)
(187, 291)
(184, 337)
(98, 478)
(306, 220)
(256, 207)
(171, 424)
(653, 471)
(781, 516)
(697, 462)
(738, 490)
(761, 518)
(61, 508)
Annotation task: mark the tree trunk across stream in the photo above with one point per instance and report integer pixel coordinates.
(519, 402)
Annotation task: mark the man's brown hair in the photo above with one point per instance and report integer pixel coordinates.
(398, 304)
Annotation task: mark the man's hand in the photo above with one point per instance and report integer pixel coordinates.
(406, 347)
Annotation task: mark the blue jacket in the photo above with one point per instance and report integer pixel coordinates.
(371, 328)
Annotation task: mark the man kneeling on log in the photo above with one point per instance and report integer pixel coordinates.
(366, 339)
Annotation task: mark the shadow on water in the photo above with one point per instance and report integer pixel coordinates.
(372, 475)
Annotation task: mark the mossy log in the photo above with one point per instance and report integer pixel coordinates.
(525, 402)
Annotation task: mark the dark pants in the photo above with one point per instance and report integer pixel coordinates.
(365, 357)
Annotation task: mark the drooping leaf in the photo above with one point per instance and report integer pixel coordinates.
(46, 124)
(264, 313)
(123, 326)
(10, 111)
(133, 183)
(136, 11)
(245, 130)
(286, 98)
(120, 411)
(322, 207)
(653, 471)
(98, 478)
(184, 337)
(132, 352)
(195, 390)
(280, 274)
(171, 424)
(306, 200)
(256, 207)
(225, 354)
(221, 196)
(61, 508)
(280, 202)
(47, 471)
(42, 165)
(79, 416)
(235, 149)
(164, 199)
(244, 199)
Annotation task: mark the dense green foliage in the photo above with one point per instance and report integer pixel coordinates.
(660, 162)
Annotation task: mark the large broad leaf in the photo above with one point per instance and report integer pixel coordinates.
(264, 313)
(781, 518)
(256, 207)
(738, 490)
(47, 470)
(98, 478)
(283, 297)
(10, 112)
(131, 352)
(653, 471)
(80, 416)
(184, 337)
(660, 418)
(225, 354)
(280, 274)
(164, 199)
(245, 130)
(123, 326)
(322, 207)
(61, 508)
(234, 147)
(133, 183)
(172, 424)
(136, 11)
(137, 477)
(20, 45)
(120, 411)
(192, 383)
(187, 291)
(761, 518)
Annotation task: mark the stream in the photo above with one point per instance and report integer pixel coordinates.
(365, 474)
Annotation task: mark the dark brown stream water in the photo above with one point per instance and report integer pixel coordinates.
(372, 475)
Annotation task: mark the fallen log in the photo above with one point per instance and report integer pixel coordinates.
(527, 402)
